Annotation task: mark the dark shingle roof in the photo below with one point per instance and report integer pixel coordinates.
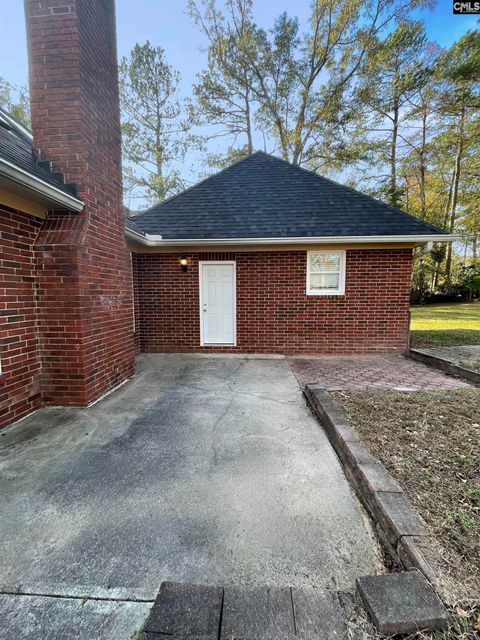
(130, 224)
(265, 197)
(16, 147)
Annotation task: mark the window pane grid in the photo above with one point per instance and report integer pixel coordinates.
(325, 262)
(324, 281)
(325, 272)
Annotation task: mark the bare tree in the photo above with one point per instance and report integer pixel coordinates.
(297, 81)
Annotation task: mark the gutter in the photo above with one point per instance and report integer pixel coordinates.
(158, 241)
(147, 239)
(39, 186)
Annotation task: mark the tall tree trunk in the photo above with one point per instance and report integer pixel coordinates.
(436, 275)
(298, 144)
(248, 119)
(159, 174)
(158, 154)
(393, 197)
(422, 167)
(447, 206)
(455, 185)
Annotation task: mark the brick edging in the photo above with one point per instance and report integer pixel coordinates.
(444, 365)
(401, 529)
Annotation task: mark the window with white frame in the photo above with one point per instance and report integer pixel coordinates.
(325, 273)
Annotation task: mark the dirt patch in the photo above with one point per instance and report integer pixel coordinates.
(430, 442)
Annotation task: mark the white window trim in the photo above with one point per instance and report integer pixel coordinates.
(341, 284)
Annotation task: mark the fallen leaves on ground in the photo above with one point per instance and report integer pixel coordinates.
(430, 442)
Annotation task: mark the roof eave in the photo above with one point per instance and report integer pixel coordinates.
(158, 241)
(40, 187)
(143, 238)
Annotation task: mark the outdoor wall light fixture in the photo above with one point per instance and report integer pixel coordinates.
(184, 264)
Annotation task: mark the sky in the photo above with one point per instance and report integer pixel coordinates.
(166, 23)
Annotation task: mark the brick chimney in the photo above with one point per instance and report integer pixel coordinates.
(84, 271)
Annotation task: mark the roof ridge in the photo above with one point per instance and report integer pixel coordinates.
(198, 184)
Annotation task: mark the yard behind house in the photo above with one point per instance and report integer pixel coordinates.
(430, 442)
(445, 325)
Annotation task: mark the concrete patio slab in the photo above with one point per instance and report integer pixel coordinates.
(29, 617)
(359, 373)
(202, 470)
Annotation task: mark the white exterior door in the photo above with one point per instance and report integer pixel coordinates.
(217, 303)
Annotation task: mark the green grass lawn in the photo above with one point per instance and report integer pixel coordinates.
(445, 325)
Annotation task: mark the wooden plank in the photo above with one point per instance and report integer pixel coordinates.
(186, 610)
(318, 615)
(258, 613)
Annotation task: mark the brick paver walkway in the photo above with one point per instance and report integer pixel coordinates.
(358, 373)
(455, 354)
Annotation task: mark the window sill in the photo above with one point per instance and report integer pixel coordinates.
(325, 293)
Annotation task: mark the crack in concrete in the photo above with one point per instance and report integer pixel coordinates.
(261, 397)
(289, 403)
(214, 433)
(19, 592)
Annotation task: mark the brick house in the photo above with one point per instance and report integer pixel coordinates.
(262, 257)
(65, 271)
(276, 260)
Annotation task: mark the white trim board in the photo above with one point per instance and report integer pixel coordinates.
(157, 241)
(39, 186)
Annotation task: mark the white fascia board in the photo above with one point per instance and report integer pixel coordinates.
(39, 186)
(158, 241)
(147, 239)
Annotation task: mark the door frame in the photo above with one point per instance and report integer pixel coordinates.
(200, 298)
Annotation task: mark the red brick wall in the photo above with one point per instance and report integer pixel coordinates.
(274, 315)
(85, 289)
(20, 382)
(136, 303)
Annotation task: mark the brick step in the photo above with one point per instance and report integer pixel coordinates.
(237, 613)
